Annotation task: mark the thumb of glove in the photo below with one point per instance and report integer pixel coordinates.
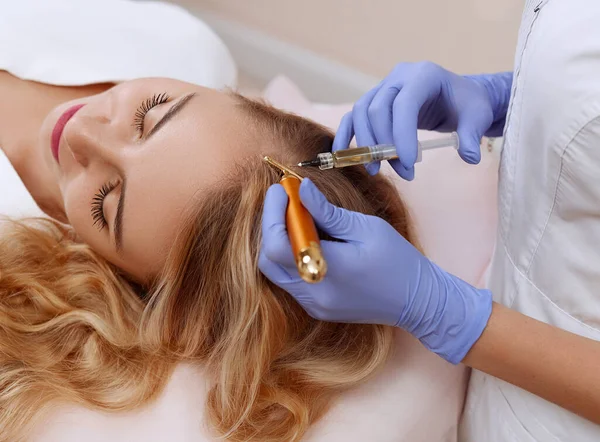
(469, 147)
(335, 221)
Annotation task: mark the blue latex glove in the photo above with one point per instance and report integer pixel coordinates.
(426, 96)
(374, 276)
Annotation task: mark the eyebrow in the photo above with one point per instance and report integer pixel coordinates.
(172, 112)
(118, 223)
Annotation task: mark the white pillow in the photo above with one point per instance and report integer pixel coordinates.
(77, 42)
(15, 200)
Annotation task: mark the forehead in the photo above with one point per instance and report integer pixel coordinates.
(174, 168)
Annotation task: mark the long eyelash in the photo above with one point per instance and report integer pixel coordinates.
(98, 202)
(149, 103)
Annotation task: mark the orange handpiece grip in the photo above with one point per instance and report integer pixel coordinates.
(303, 234)
(300, 225)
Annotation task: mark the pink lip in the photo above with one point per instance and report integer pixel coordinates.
(59, 127)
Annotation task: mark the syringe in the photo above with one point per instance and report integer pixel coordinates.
(368, 154)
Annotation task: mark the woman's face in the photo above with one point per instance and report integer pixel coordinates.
(131, 159)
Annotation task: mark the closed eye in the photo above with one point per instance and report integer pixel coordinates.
(144, 108)
(98, 204)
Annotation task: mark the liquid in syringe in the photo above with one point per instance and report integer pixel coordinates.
(368, 154)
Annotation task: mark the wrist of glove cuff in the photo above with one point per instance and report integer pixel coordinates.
(450, 317)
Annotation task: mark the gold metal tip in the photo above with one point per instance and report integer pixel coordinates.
(311, 264)
(276, 164)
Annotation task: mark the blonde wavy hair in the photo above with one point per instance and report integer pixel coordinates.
(74, 329)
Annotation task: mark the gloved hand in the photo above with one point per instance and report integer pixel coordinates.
(426, 96)
(374, 276)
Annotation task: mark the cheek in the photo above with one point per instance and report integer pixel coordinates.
(78, 194)
(78, 209)
(77, 200)
(77, 203)
(148, 226)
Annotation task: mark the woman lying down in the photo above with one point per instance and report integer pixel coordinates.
(156, 188)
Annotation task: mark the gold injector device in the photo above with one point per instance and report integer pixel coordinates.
(301, 228)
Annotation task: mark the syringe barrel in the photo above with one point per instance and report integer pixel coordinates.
(380, 152)
(357, 156)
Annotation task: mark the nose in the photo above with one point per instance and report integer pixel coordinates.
(92, 135)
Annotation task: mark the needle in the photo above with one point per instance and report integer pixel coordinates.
(286, 170)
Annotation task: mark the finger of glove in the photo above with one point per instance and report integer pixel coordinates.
(341, 257)
(380, 116)
(405, 115)
(373, 168)
(360, 119)
(344, 133)
(380, 113)
(407, 174)
(335, 221)
(276, 273)
(362, 126)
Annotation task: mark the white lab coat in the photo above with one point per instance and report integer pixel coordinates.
(547, 259)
